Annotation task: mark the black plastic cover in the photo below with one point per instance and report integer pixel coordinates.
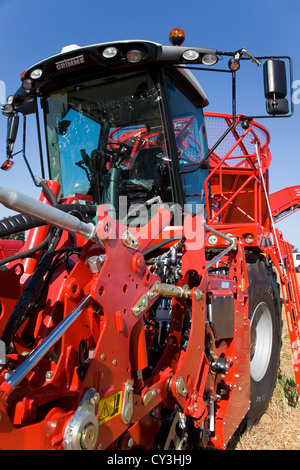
(275, 79)
(277, 106)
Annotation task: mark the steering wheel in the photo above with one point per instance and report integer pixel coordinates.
(120, 153)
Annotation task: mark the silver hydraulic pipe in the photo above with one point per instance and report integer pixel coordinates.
(230, 240)
(24, 204)
(232, 245)
(20, 373)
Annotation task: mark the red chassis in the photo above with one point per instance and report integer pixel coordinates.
(79, 374)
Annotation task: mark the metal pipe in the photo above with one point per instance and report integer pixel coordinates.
(219, 256)
(20, 373)
(170, 290)
(211, 417)
(20, 202)
(232, 245)
(220, 234)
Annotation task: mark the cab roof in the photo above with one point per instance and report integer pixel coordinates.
(76, 61)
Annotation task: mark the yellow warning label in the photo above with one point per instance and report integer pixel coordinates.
(109, 407)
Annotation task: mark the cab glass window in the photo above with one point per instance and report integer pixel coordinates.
(191, 141)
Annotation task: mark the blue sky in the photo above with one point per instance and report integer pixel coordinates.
(33, 30)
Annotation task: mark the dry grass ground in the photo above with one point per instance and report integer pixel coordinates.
(279, 428)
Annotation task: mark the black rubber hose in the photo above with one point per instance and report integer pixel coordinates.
(48, 192)
(27, 253)
(17, 223)
(32, 288)
(18, 314)
(161, 244)
(21, 223)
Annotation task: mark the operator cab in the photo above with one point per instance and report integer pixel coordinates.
(120, 128)
(124, 122)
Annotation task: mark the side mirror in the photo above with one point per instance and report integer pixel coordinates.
(275, 85)
(12, 130)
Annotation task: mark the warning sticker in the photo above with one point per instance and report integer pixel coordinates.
(109, 407)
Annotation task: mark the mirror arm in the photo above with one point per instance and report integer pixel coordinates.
(39, 138)
(24, 153)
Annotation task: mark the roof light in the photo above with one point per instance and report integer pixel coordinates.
(233, 64)
(134, 56)
(36, 73)
(27, 84)
(176, 36)
(249, 238)
(209, 59)
(190, 55)
(213, 239)
(110, 52)
(7, 109)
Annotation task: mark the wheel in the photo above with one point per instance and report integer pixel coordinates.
(266, 325)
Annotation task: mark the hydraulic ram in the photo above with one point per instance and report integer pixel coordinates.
(20, 202)
(18, 375)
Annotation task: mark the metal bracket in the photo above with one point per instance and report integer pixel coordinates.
(129, 240)
(127, 406)
(81, 432)
(154, 290)
(141, 305)
(180, 387)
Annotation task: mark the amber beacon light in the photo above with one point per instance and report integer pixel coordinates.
(176, 36)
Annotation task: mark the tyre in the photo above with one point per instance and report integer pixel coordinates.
(266, 325)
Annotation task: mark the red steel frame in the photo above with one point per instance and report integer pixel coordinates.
(36, 413)
(255, 166)
(234, 182)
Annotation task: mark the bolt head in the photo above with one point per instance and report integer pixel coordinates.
(94, 398)
(198, 294)
(130, 442)
(88, 436)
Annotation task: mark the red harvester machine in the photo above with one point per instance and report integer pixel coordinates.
(143, 311)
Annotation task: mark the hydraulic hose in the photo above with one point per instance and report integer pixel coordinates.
(30, 291)
(17, 223)
(51, 196)
(18, 314)
(27, 253)
(21, 222)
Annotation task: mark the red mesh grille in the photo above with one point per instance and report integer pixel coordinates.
(243, 155)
